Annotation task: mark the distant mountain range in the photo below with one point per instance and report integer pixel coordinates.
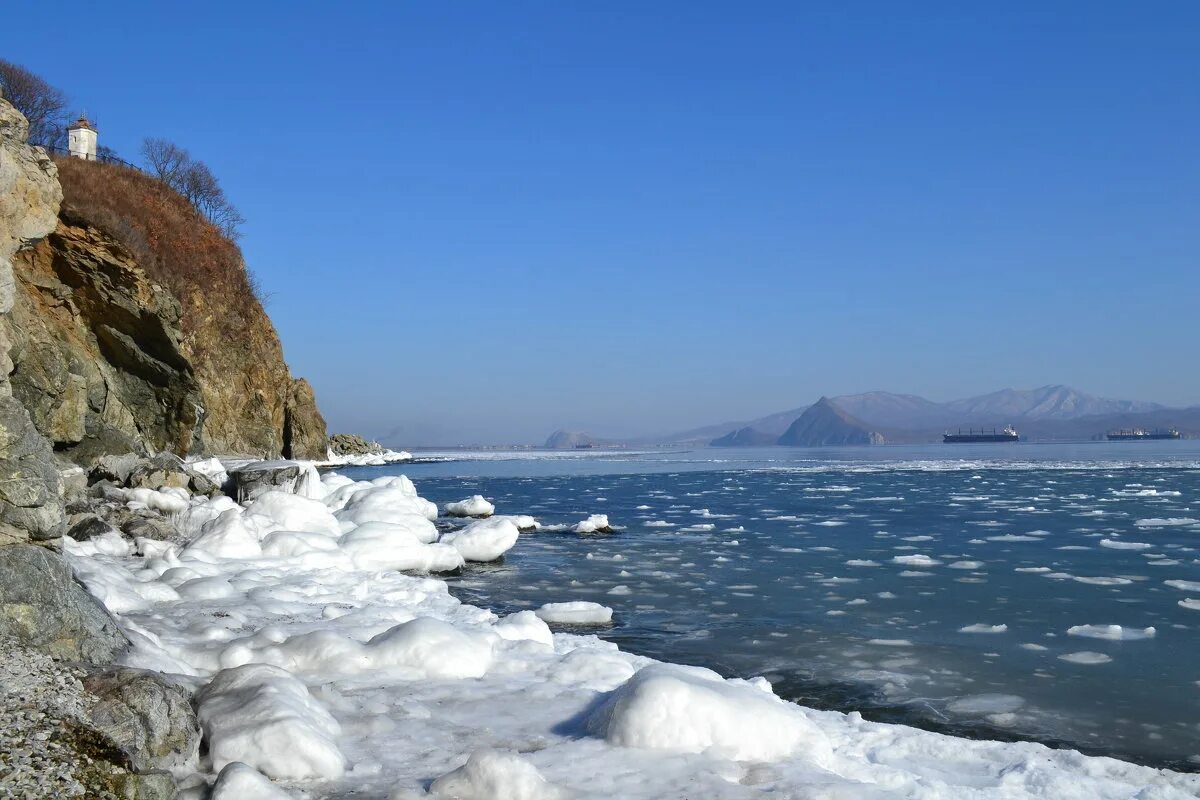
(1047, 413)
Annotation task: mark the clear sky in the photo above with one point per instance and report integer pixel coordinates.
(481, 221)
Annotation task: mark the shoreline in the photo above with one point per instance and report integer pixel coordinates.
(289, 592)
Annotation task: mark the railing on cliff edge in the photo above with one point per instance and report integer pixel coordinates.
(103, 158)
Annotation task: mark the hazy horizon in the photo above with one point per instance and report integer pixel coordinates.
(482, 223)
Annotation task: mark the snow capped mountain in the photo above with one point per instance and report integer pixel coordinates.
(1046, 402)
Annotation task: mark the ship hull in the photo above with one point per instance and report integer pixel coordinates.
(1130, 437)
(975, 438)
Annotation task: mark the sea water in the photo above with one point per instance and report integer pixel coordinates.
(1049, 592)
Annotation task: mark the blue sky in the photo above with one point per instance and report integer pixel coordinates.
(483, 221)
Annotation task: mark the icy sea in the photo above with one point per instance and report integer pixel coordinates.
(1046, 592)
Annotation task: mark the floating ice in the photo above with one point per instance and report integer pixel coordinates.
(919, 560)
(1085, 657)
(1113, 633)
(980, 627)
(576, 612)
(986, 704)
(1102, 580)
(596, 523)
(1156, 522)
(1117, 544)
(474, 506)
(1185, 586)
(485, 540)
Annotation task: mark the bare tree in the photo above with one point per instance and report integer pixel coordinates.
(42, 104)
(192, 178)
(166, 160)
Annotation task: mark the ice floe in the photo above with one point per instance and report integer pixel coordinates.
(576, 612)
(474, 506)
(1086, 657)
(1114, 633)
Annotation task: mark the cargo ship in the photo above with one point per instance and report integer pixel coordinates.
(1141, 434)
(1009, 434)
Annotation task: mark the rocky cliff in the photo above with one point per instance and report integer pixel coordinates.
(134, 326)
(30, 504)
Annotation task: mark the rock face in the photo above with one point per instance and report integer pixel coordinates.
(111, 351)
(98, 349)
(824, 424)
(42, 606)
(29, 201)
(303, 426)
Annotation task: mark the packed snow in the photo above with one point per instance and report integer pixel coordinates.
(329, 662)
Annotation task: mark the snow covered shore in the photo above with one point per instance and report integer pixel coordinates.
(328, 671)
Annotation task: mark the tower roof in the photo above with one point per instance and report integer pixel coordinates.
(82, 122)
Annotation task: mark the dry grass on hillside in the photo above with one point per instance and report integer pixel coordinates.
(170, 240)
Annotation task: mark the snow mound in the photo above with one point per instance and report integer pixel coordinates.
(291, 512)
(525, 625)
(390, 502)
(491, 774)
(694, 710)
(227, 536)
(475, 506)
(576, 612)
(239, 781)
(432, 648)
(596, 523)
(399, 545)
(263, 716)
(485, 540)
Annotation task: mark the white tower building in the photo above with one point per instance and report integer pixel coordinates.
(81, 139)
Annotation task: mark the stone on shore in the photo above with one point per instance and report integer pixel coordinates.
(42, 606)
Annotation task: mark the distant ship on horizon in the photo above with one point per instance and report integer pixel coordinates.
(1141, 434)
(1009, 434)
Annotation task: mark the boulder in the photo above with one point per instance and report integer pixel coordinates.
(149, 717)
(261, 477)
(147, 527)
(88, 527)
(351, 444)
(42, 606)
